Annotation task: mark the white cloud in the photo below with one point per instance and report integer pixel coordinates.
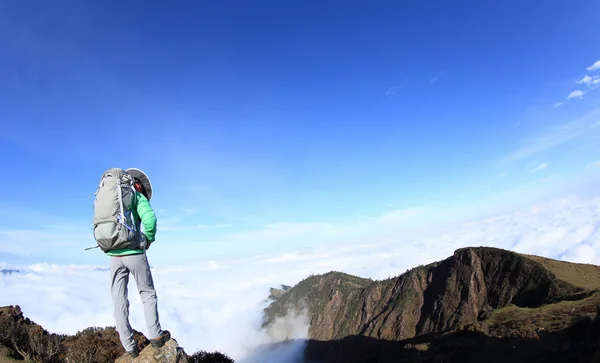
(282, 236)
(585, 80)
(217, 304)
(204, 308)
(594, 67)
(589, 80)
(56, 240)
(582, 253)
(542, 166)
(576, 94)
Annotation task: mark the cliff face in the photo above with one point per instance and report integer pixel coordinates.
(440, 297)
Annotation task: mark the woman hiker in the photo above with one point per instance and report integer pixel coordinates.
(134, 261)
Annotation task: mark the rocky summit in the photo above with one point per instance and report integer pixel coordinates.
(22, 339)
(169, 353)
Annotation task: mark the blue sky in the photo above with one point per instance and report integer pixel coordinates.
(263, 124)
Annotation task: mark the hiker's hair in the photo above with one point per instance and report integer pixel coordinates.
(140, 187)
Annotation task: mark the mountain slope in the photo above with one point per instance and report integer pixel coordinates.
(469, 287)
(578, 274)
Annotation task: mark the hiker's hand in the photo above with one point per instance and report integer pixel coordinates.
(148, 245)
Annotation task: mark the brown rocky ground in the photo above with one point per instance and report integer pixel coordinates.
(23, 340)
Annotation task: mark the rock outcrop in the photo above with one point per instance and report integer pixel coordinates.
(275, 294)
(169, 353)
(9, 271)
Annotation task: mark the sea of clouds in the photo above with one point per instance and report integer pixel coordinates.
(216, 305)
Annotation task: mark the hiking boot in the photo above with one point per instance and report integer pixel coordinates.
(134, 353)
(161, 340)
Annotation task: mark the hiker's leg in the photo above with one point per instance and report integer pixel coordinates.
(138, 264)
(120, 277)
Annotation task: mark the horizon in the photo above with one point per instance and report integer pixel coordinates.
(216, 305)
(284, 140)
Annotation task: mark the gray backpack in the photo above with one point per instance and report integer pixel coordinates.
(113, 224)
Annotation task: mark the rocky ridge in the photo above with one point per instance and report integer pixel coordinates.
(495, 292)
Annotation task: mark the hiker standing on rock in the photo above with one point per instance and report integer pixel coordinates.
(121, 207)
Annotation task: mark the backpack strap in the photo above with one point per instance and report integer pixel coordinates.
(121, 218)
(133, 200)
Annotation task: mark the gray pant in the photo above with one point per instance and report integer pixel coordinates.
(120, 267)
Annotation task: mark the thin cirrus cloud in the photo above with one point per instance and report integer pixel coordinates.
(436, 78)
(391, 92)
(217, 304)
(595, 164)
(541, 166)
(554, 136)
(213, 226)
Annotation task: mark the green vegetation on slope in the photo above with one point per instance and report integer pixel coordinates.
(5, 355)
(516, 321)
(578, 274)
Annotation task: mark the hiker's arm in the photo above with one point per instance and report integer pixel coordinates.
(147, 216)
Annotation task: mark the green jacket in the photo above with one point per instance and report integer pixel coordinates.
(148, 219)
